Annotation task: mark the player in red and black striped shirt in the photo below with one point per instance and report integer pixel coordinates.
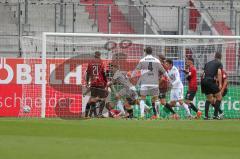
(191, 75)
(97, 80)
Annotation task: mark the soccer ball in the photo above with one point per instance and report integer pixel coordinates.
(26, 109)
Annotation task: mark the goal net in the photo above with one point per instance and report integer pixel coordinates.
(54, 69)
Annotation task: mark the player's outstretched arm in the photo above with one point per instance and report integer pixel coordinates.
(183, 70)
(187, 73)
(113, 89)
(137, 69)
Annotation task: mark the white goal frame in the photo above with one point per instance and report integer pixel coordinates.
(46, 34)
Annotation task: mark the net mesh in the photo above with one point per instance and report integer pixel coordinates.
(68, 56)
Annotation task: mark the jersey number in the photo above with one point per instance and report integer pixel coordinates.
(150, 67)
(95, 70)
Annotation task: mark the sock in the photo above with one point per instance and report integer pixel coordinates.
(187, 109)
(192, 106)
(170, 108)
(120, 106)
(146, 107)
(102, 104)
(219, 110)
(157, 106)
(95, 112)
(93, 109)
(87, 110)
(142, 106)
(130, 112)
(207, 103)
(217, 107)
(154, 109)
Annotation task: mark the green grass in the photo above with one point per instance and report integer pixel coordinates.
(105, 138)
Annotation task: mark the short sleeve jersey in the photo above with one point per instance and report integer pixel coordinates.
(174, 75)
(211, 68)
(96, 73)
(192, 81)
(150, 68)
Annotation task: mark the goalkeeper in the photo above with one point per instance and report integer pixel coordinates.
(128, 91)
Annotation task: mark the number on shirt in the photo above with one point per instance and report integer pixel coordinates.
(95, 70)
(150, 67)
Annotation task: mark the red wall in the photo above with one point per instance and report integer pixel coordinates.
(63, 100)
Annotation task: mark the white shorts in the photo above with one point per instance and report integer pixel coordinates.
(176, 94)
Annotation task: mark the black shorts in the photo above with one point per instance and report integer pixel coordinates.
(100, 92)
(209, 86)
(162, 94)
(190, 95)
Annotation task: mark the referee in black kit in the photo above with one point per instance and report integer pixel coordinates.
(212, 72)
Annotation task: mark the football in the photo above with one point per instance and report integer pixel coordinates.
(26, 109)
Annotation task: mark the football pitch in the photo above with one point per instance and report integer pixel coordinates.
(118, 139)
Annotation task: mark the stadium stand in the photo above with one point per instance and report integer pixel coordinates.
(119, 24)
(217, 16)
(8, 30)
(41, 16)
(158, 17)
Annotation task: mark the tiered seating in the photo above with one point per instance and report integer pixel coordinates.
(118, 22)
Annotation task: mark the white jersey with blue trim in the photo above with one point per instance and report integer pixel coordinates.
(174, 75)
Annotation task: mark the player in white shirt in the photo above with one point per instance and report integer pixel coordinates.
(176, 94)
(149, 80)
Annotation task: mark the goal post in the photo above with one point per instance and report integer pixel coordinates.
(58, 53)
(44, 70)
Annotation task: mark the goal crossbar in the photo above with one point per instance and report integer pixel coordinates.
(45, 34)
